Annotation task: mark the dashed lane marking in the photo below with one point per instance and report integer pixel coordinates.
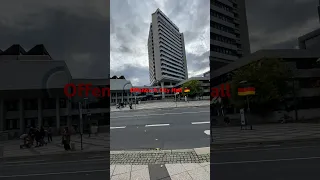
(156, 125)
(207, 132)
(121, 127)
(206, 122)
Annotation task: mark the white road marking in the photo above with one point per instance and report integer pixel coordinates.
(54, 173)
(207, 132)
(266, 160)
(206, 122)
(163, 114)
(121, 127)
(156, 125)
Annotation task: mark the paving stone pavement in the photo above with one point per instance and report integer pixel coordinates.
(187, 171)
(266, 133)
(155, 157)
(159, 105)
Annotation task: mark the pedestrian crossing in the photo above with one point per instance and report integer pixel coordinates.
(188, 171)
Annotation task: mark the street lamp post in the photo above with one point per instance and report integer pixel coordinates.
(175, 98)
(81, 124)
(295, 100)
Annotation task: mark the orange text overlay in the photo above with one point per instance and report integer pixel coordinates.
(153, 90)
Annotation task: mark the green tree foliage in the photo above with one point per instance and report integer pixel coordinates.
(195, 88)
(270, 79)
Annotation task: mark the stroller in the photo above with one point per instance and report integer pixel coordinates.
(27, 141)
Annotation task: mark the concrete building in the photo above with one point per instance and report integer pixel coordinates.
(166, 50)
(204, 83)
(120, 91)
(32, 93)
(229, 37)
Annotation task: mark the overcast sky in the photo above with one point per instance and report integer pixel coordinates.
(76, 31)
(278, 23)
(130, 20)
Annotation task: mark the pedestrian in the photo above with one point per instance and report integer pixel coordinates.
(49, 131)
(38, 137)
(66, 139)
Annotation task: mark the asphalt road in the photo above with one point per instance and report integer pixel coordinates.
(54, 167)
(265, 163)
(180, 128)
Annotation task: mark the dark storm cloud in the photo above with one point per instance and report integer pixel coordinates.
(70, 32)
(278, 24)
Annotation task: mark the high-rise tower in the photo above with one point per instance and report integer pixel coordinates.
(167, 57)
(229, 37)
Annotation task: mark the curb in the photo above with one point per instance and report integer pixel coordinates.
(263, 143)
(196, 150)
(72, 153)
(134, 110)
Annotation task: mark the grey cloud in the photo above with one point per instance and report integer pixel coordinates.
(198, 62)
(131, 72)
(67, 36)
(268, 18)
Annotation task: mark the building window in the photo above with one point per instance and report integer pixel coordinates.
(12, 105)
(30, 104)
(12, 124)
(49, 103)
(63, 121)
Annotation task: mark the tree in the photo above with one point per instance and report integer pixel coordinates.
(121, 77)
(194, 86)
(270, 79)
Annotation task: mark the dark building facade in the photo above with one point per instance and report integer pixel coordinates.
(32, 93)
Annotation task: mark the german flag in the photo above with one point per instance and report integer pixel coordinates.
(245, 91)
(186, 90)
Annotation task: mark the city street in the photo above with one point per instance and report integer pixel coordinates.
(179, 128)
(52, 167)
(292, 162)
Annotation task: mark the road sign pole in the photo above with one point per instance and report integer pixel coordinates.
(81, 124)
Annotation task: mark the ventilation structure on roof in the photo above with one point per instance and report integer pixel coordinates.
(15, 49)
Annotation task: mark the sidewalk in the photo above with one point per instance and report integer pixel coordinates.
(11, 148)
(161, 105)
(265, 134)
(188, 164)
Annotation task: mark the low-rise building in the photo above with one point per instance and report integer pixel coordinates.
(32, 93)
